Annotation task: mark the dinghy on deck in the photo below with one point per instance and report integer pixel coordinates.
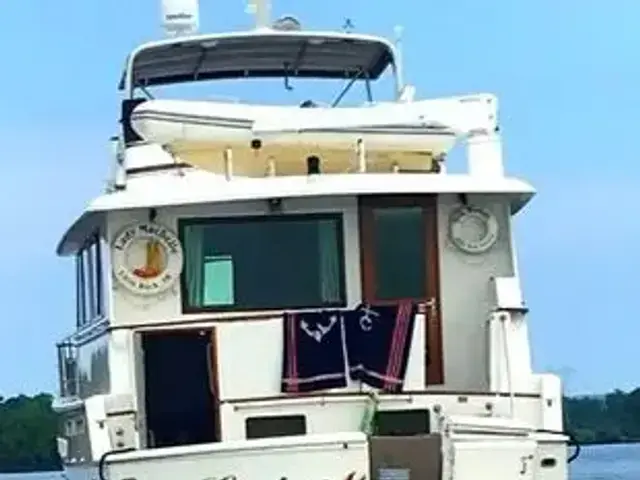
(383, 127)
(399, 136)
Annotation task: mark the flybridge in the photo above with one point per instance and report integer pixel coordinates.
(236, 139)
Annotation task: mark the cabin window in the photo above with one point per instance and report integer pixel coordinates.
(68, 370)
(402, 423)
(283, 426)
(395, 237)
(399, 252)
(89, 285)
(261, 263)
(80, 426)
(69, 428)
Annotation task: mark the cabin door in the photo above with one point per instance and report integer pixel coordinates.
(399, 261)
(179, 383)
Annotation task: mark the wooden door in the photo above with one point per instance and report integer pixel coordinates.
(399, 261)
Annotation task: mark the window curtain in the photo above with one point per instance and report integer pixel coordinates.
(81, 314)
(193, 246)
(329, 261)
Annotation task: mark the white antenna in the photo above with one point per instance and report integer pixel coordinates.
(398, 31)
(180, 17)
(261, 9)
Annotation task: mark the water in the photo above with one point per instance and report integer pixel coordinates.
(603, 462)
(607, 462)
(31, 476)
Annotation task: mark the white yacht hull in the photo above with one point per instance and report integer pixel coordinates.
(80, 472)
(294, 458)
(352, 456)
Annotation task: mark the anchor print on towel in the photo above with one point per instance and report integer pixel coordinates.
(367, 317)
(320, 330)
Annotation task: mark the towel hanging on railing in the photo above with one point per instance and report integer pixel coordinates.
(313, 352)
(378, 340)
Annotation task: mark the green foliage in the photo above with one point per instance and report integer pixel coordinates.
(610, 418)
(28, 428)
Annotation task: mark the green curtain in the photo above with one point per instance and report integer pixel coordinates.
(193, 247)
(329, 261)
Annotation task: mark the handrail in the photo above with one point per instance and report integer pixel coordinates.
(103, 460)
(504, 317)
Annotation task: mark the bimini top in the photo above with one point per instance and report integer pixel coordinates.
(259, 53)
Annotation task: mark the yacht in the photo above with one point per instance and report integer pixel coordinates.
(300, 290)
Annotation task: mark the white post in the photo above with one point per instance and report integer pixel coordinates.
(261, 9)
(398, 65)
(505, 320)
(484, 154)
(228, 163)
(119, 164)
(271, 167)
(362, 156)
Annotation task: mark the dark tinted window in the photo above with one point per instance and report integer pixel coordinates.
(253, 263)
(263, 427)
(399, 252)
(402, 423)
(89, 285)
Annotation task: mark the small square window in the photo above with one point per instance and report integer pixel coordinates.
(403, 423)
(283, 426)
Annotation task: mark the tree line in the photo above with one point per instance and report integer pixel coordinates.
(28, 429)
(610, 418)
(28, 426)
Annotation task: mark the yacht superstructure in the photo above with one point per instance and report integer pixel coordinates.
(302, 291)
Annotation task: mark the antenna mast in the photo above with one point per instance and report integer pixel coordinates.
(261, 10)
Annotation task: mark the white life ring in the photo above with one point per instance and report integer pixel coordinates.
(473, 230)
(147, 258)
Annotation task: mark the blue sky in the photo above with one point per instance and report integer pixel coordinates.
(566, 73)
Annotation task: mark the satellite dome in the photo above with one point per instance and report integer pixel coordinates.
(287, 23)
(180, 17)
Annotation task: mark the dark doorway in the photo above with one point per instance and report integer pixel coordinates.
(180, 393)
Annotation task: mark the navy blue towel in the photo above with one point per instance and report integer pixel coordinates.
(378, 342)
(313, 352)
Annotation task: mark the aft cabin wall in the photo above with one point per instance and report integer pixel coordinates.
(465, 287)
(467, 297)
